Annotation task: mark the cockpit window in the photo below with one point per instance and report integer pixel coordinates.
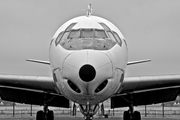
(111, 36)
(77, 39)
(117, 38)
(59, 38)
(70, 26)
(106, 28)
(65, 35)
(100, 34)
(87, 33)
(74, 34)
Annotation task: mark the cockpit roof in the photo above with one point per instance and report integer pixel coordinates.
(88, 22)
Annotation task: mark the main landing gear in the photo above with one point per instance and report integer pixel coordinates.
(45, 114)
(131, 114)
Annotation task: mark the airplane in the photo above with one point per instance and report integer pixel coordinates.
(88, 56)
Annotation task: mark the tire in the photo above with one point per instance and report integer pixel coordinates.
(40, 115)
(50, 115)
(126, 115)
(137, 115)
(88, 118)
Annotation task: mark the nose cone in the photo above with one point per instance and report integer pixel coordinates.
(87, 69)
(87, 73)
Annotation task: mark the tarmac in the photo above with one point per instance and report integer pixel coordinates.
(80, 118)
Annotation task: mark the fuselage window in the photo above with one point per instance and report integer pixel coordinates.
(117, 38)
(74, 34)
(100, 34)
(87, 33)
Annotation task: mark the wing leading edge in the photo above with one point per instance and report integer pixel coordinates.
(147, 90)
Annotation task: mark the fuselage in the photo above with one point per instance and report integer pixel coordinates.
(88, 56)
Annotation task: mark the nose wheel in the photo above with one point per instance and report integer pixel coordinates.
(88, 110)
(88, 117)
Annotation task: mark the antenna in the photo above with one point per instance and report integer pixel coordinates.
(89, 10)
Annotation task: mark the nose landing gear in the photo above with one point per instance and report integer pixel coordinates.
(89, 110)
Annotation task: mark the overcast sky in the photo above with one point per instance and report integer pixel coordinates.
(151, 29)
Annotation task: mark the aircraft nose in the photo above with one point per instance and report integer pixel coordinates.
(87, 73)
(87, 69)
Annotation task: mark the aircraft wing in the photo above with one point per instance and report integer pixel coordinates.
(147, 90)
(31, 90)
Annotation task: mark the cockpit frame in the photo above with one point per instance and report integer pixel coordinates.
(99, 34)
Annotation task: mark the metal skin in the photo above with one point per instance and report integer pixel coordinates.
(109, 65)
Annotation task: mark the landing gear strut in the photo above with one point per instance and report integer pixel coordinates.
(74, 110)
(131, 114)
(89, 110)
(45, 114)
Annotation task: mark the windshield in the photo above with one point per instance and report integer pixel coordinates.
(77, 39)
